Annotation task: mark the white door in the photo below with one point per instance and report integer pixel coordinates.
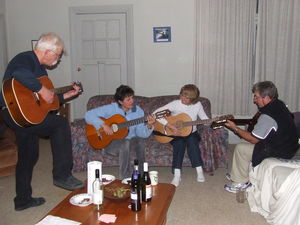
(100, 55)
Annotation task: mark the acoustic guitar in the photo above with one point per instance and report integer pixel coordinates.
(99, 139)
(26, 107)
(249, 122)
(183, 123)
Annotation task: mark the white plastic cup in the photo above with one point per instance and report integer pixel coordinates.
(153, 177)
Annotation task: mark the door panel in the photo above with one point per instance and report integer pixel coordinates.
(112, 77)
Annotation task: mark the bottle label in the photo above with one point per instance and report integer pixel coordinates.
(148, 191)
(98, 197)
(134, 196)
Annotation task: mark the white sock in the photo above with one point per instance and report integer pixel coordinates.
(200, 175)
(176, 179)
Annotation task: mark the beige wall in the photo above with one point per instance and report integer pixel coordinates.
(2, 6)
(160, 68)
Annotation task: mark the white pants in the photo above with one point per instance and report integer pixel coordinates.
(241, 162)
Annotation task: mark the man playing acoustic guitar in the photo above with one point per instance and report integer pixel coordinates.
(274, 135)
(125, 107)
(190, 105)
(27, 68)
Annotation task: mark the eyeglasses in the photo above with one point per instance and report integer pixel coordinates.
(255, 97)
(185, 96)
(57, 55)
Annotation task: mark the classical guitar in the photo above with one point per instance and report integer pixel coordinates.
(183, 123)
(27, 108)
(99, 139)
(249, 122)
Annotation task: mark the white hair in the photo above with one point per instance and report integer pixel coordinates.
(49, 41)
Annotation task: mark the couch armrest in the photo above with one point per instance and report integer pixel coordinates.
(213, 147)
(80, 145)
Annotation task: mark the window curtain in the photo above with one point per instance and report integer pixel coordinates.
(278, 48)
(225, 34)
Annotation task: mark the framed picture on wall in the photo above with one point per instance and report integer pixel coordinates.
(33, 42)
(162, 34)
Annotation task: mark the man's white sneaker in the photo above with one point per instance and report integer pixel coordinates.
(235, 188)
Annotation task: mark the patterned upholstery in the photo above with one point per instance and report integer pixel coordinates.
(213, 147)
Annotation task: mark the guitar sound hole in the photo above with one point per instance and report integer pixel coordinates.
(114, 127)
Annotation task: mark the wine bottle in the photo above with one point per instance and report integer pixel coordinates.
(146, 185)
(135, 168)
(135, 188)
(97, 190)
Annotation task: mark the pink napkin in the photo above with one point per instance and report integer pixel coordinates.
(107, 218)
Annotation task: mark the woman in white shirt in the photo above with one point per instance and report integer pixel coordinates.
(189, 104)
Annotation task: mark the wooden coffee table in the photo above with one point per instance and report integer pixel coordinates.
(152, 213)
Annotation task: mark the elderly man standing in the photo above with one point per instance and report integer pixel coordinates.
(27, 68)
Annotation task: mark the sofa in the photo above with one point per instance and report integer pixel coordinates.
(275, 190)
(213, 145)
(8, 149)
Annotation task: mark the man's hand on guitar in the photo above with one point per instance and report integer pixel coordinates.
(76, 91)
(46, 94)
(231, 125)
(107, 129)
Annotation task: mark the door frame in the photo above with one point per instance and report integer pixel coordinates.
(3, 49)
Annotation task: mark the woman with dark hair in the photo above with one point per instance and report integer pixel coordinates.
(124, 105)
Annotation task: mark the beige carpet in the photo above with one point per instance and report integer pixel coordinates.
(194, 203)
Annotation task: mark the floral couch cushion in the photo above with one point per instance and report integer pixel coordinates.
(213, 144)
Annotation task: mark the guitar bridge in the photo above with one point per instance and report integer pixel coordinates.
(165, 130)
(37, 98)
(99, 135)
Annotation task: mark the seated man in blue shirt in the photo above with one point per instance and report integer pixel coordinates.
(124, 106)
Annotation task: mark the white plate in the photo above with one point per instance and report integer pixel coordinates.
(81, 200)
(107, 178)
(125, 181)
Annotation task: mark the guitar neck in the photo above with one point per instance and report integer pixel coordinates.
(62, 90)
(242, 121)
(143, 119)
(132, 122)
(199, 122)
